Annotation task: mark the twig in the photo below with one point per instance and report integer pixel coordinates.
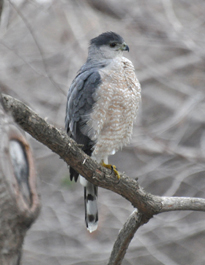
(31, 31)
(166, 68)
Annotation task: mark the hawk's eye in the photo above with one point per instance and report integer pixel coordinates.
(112, 45)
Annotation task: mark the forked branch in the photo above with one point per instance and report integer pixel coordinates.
(58, 141)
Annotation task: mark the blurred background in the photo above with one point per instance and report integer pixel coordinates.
(42, 46)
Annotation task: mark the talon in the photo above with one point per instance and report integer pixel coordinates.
(116, 172)
(112, 168)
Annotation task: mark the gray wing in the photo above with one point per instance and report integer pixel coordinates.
(79, 105)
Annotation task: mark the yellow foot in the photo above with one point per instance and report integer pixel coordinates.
(113, 168)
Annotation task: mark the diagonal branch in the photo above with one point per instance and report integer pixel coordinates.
(124, 238)
(68, 150)
(58, 141)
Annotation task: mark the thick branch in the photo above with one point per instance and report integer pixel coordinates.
(69, 151)
(58, 141)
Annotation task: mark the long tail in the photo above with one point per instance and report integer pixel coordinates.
(91, 208)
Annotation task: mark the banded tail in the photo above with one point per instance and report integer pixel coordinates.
(90, 200)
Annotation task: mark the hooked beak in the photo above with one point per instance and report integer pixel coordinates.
(124, 47)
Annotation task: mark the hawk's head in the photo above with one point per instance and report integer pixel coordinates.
(108, 45)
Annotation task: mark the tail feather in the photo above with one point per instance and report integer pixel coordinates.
(73, 174)
(91, 209)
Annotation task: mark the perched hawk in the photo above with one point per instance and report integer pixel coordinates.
(101, 107)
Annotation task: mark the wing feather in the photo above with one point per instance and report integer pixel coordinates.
(80, 102)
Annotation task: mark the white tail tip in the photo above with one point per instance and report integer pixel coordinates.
(92, 227)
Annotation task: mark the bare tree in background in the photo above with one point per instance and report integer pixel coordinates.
(42, 46)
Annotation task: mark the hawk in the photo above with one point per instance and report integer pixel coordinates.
(102, 104)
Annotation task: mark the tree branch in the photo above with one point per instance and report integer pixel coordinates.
(68, 150)
(124, 238)
(58, 141)
(182, 203)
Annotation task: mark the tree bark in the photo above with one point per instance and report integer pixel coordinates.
(124, 238)
(58, 141)
(19, 202)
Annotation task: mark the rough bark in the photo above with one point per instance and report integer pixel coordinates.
(146, 203)
(19, 203)
(124, 238)
(69, 151)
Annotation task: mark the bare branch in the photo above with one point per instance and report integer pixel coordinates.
(69, 151)
(124, 238)
(58, 141)
(175, 64)
(182, 203)
(31, 31)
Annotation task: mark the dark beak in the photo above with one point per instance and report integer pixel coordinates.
(125, 47)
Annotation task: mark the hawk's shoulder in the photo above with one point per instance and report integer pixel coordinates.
(80, 99)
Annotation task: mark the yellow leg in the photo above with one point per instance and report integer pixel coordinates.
(111, 167)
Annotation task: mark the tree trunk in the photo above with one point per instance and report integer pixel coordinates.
(19, 202)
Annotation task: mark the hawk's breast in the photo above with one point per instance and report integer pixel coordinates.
(117, 101)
